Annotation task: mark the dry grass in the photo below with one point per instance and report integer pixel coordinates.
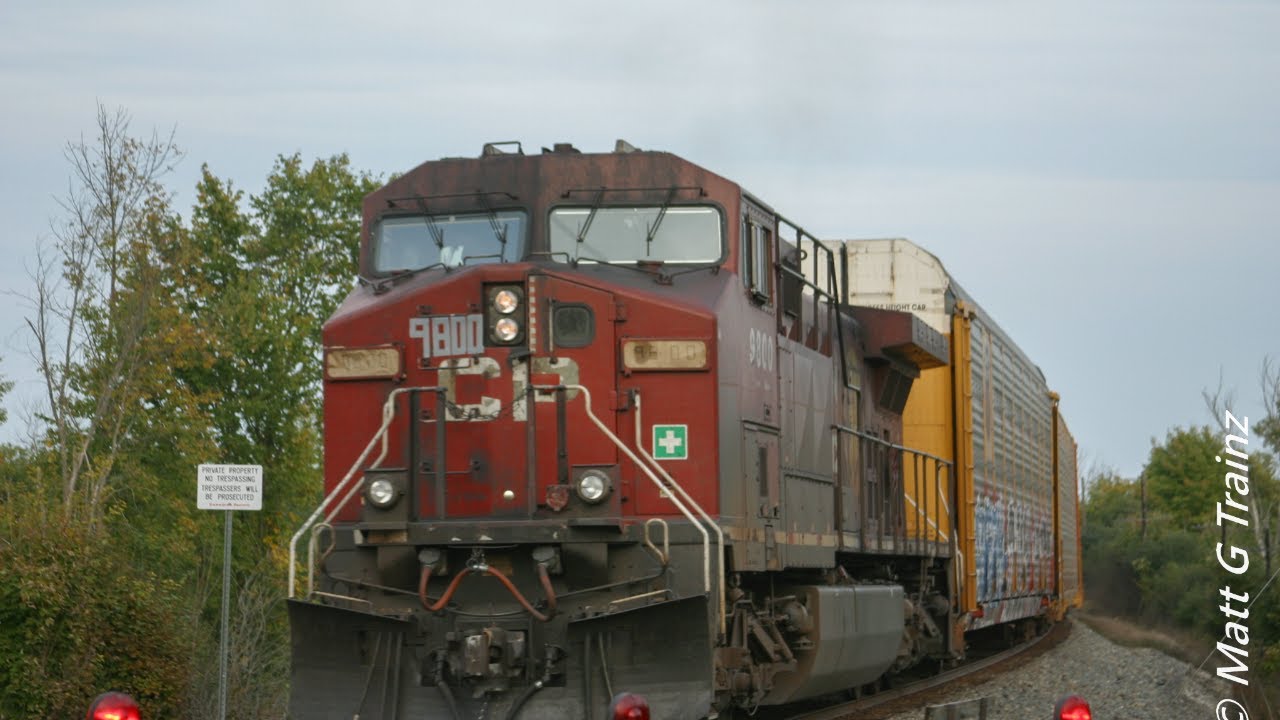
(1175, 643)
(1191, 649)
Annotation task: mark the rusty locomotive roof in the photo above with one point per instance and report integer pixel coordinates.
(558, 176)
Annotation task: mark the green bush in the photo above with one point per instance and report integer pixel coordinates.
(77, 619)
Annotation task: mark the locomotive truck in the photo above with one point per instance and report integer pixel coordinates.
(603, 422)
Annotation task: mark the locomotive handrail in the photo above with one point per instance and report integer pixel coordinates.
(312, 543)
(832, 289)
(685, 496)
(706, 537)
(892, 446)
(923, 512)
(819, 248)
(663, 555)
(946, 507)
(937, 484)
(388, 414)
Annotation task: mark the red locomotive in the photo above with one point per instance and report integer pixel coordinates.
(604, 422)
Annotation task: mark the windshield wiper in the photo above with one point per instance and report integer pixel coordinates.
(437, 232)
(384, 283)
(406, 272)
(582, 231)
(653, 231)
(611, 264)
(499, 229)
(713, 267)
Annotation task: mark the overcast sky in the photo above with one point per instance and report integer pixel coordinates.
(1103, 177)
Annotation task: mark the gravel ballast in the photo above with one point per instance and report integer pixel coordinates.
(1117, 681)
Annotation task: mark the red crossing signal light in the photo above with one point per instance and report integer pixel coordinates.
(629, 706)
(1073, 707)
(114, 706)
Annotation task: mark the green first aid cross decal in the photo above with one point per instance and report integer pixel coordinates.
(670, 442)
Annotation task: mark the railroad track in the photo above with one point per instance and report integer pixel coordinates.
(916, 695)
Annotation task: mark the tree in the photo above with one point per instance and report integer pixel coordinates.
(264, 274)
(1112, 500)
(1182, 478)
(1108, 535)
(78, 617)
(309, 246)
(5, 387)
(161, 345)
(259, 287)
(1269, 426)
(95, 327)
(88, 599)
(9, 477)
(1264, 478)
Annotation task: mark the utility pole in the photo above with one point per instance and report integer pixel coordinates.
(1142, 485)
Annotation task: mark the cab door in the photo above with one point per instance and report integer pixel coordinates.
(761, 406)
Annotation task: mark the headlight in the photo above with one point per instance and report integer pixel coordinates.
(382, 493)
(504, 314)
(506, 330)
(506, 301)
(593, 487)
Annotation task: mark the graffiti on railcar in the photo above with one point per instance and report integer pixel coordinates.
(990, 522)
(1014, 547)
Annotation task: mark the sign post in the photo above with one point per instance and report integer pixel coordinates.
(228, 488)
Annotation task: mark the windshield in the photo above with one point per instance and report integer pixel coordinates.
(413, 242)
(633, 234)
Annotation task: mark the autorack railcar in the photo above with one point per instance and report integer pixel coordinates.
(991, 414)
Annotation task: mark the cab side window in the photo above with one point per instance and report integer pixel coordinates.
(757, 244)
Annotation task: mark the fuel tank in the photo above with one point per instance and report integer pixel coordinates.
(851, 636)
